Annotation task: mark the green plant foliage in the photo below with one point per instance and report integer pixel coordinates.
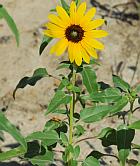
(65, 5)
(137, 89)
(42, 160)
(119, 105)
(49, 137)
(64, 65)
(90, 161)
(96, 154)
(94, 114)
(76, 152)
(124, 138)
(108, 137)
(19, 151)
(46, 40)
(79, 130)
(64, 138)
(77, 1)
(37, 75)
(1, 136)
(5, 15)
(51, 125)
(59, 98)
(104, 132)
(67, 128)
(119, 83)
(89, 79)
(6, 126)
(109, 95)
(135, 125)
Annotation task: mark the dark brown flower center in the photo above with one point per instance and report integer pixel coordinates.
(74, 33)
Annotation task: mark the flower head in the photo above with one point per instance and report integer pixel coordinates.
(76, 33)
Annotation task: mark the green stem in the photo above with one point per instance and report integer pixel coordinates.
(130, 112)
(121, 164)
(72, 106)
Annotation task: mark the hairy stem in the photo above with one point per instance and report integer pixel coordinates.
(72, 106)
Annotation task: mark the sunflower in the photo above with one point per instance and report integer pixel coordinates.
(76, 32)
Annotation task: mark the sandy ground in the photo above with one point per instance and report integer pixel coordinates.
(27, 111)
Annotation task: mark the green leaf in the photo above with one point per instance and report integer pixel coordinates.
(64, 138)
(104, 132)
(49, 137)
(53, 10)
(64, 65)
(137, 89)
(76, 152)
(5, 125)
(52, 137)
(12, 153)
(74, 162)
(135, 146)
(77, 1)
(64, 82)
(60, 111)
(37, 75)
(96, 154)
(68, 150)
(51, 125)
(118, 106)
(108, 137)
(123, 154)
(42, 160)
(90, 161)
(119, 83)
(109, 95)
(89, 79)
(124, 138)
(1, 136)
(135, 125)
(36, 136)
(65, 6)
(94, 114)
(46, 40)
(73, 88)
(79, 130)
(138, 164)
(4, 14)
(59, 98)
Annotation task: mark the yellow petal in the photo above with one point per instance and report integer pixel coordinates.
(54, 33)
(73, 12)
(94, 43)
(81, 9)
(52, 26)
(88, 16)
(90, 50)
(96, 34)
(60, 47)
(80, 12)
(63, 15)
(56, 20)
(47, 33)
(94, 24)
(70, 51)
(77, 54)
(85, 55)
